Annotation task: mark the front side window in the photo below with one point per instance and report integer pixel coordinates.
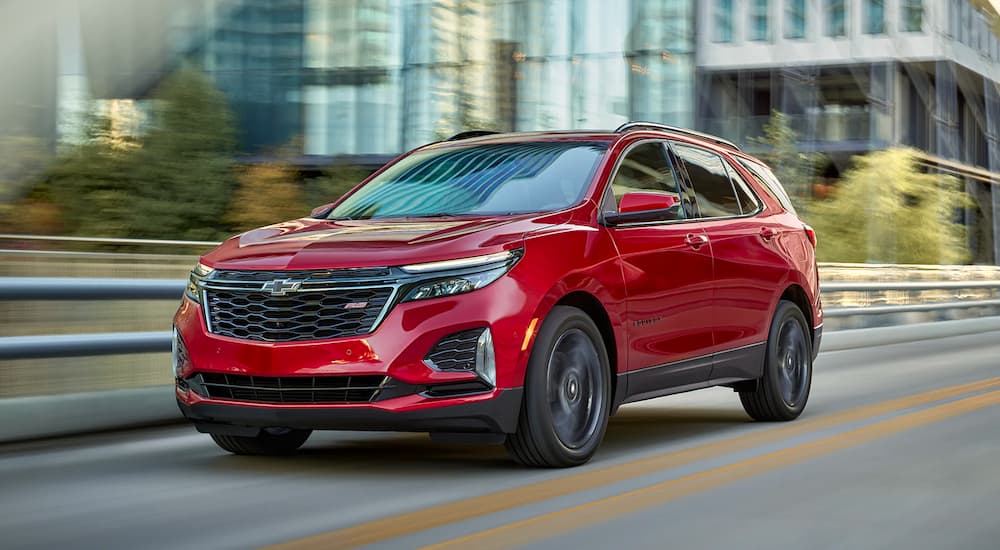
(874, 16)
(760, 29)
(477, 180)
(795, 18)
(836, 18)
(713, 189)
(646, 168)
(723, 21)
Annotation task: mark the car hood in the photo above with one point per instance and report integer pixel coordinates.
(320, 244)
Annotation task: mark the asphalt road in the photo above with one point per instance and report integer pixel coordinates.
(899, 448)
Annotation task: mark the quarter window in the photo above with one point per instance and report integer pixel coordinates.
(770, 184)
(713, 189)
(748, 201)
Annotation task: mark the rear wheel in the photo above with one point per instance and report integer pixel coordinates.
(782, 393)
(270, 441)
(567, 393)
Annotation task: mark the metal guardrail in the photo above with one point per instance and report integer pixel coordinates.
(85, 345)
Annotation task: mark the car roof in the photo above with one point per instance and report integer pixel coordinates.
(571, 136)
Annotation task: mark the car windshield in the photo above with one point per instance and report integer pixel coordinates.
(478, 180)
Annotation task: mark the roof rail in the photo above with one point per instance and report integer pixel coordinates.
(468, 134)
(632, 126)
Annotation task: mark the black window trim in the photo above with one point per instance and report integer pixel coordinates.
(690, 184)
(680, 178)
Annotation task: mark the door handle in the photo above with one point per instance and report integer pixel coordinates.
(767, 233)
(695, 241)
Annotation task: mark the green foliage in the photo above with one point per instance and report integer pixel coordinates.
(793, 168)
(183, 172)
(333, 184)
(172, 183)
(267, 193)
(885, 209)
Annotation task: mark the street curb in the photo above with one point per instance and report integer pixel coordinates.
(54, 415)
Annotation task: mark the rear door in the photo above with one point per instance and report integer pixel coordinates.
(747, 267)
(667, 266)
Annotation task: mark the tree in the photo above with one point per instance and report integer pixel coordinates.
(334, 183)
(793, 168)
(183, 173)
(266, 193)
(885, 209)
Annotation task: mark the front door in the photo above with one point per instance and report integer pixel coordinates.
(667, 265)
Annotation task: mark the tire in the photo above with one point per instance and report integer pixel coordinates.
(567, 394)
(782, 392)
(269, 442)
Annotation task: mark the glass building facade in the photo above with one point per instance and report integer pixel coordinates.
(355, 77)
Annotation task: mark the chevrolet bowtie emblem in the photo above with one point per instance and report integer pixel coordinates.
(280, 287)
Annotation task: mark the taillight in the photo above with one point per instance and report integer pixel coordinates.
(811, 233)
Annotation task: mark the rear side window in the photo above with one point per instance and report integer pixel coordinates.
(770, 183)
(713, 189)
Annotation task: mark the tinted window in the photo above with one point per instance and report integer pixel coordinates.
(746, 198)
(770, 183)
(712, 189)
(478, 180)
(646, 168)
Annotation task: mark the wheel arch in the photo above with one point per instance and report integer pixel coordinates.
(797, 295)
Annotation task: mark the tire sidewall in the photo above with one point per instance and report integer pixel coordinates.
(772, 376)
(560, 320)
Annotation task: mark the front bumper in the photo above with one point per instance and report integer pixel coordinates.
(495, 413)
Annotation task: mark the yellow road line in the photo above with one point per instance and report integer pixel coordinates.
(403, 524)
(606, 509)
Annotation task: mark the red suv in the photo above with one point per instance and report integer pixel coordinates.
(512, 288)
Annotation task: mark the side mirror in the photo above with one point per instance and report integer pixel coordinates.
(319, 211)
(641, 206)
(640, 201)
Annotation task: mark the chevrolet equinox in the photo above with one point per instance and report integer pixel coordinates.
(513, 288)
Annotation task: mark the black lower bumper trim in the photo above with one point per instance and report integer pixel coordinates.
(817, 340)
(497, 415)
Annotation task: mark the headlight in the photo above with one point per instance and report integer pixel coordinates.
(459, 276)
(199, 272)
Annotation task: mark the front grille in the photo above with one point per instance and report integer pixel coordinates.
(289, 389)
(456, 351)
(297, 316)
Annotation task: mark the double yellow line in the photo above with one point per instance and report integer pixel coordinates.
(604, 509)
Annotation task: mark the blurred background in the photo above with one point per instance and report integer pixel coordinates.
(136, 134)
(165, 118)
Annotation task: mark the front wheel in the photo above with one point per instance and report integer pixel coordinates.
(270, 441)
(567, 393)
(782, 393)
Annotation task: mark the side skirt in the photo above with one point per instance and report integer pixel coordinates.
(719, 369)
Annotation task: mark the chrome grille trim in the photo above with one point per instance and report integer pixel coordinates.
(300, 315)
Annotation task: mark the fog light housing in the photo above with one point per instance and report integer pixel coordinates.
(179, 355)
(486, 365)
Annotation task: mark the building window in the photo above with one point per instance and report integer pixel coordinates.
(795, 18)
(836, 18)
(913, 15)
(723, 21)
(874, 16)
(759, 23)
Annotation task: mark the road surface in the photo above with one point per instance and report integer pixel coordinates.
(899, 448)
